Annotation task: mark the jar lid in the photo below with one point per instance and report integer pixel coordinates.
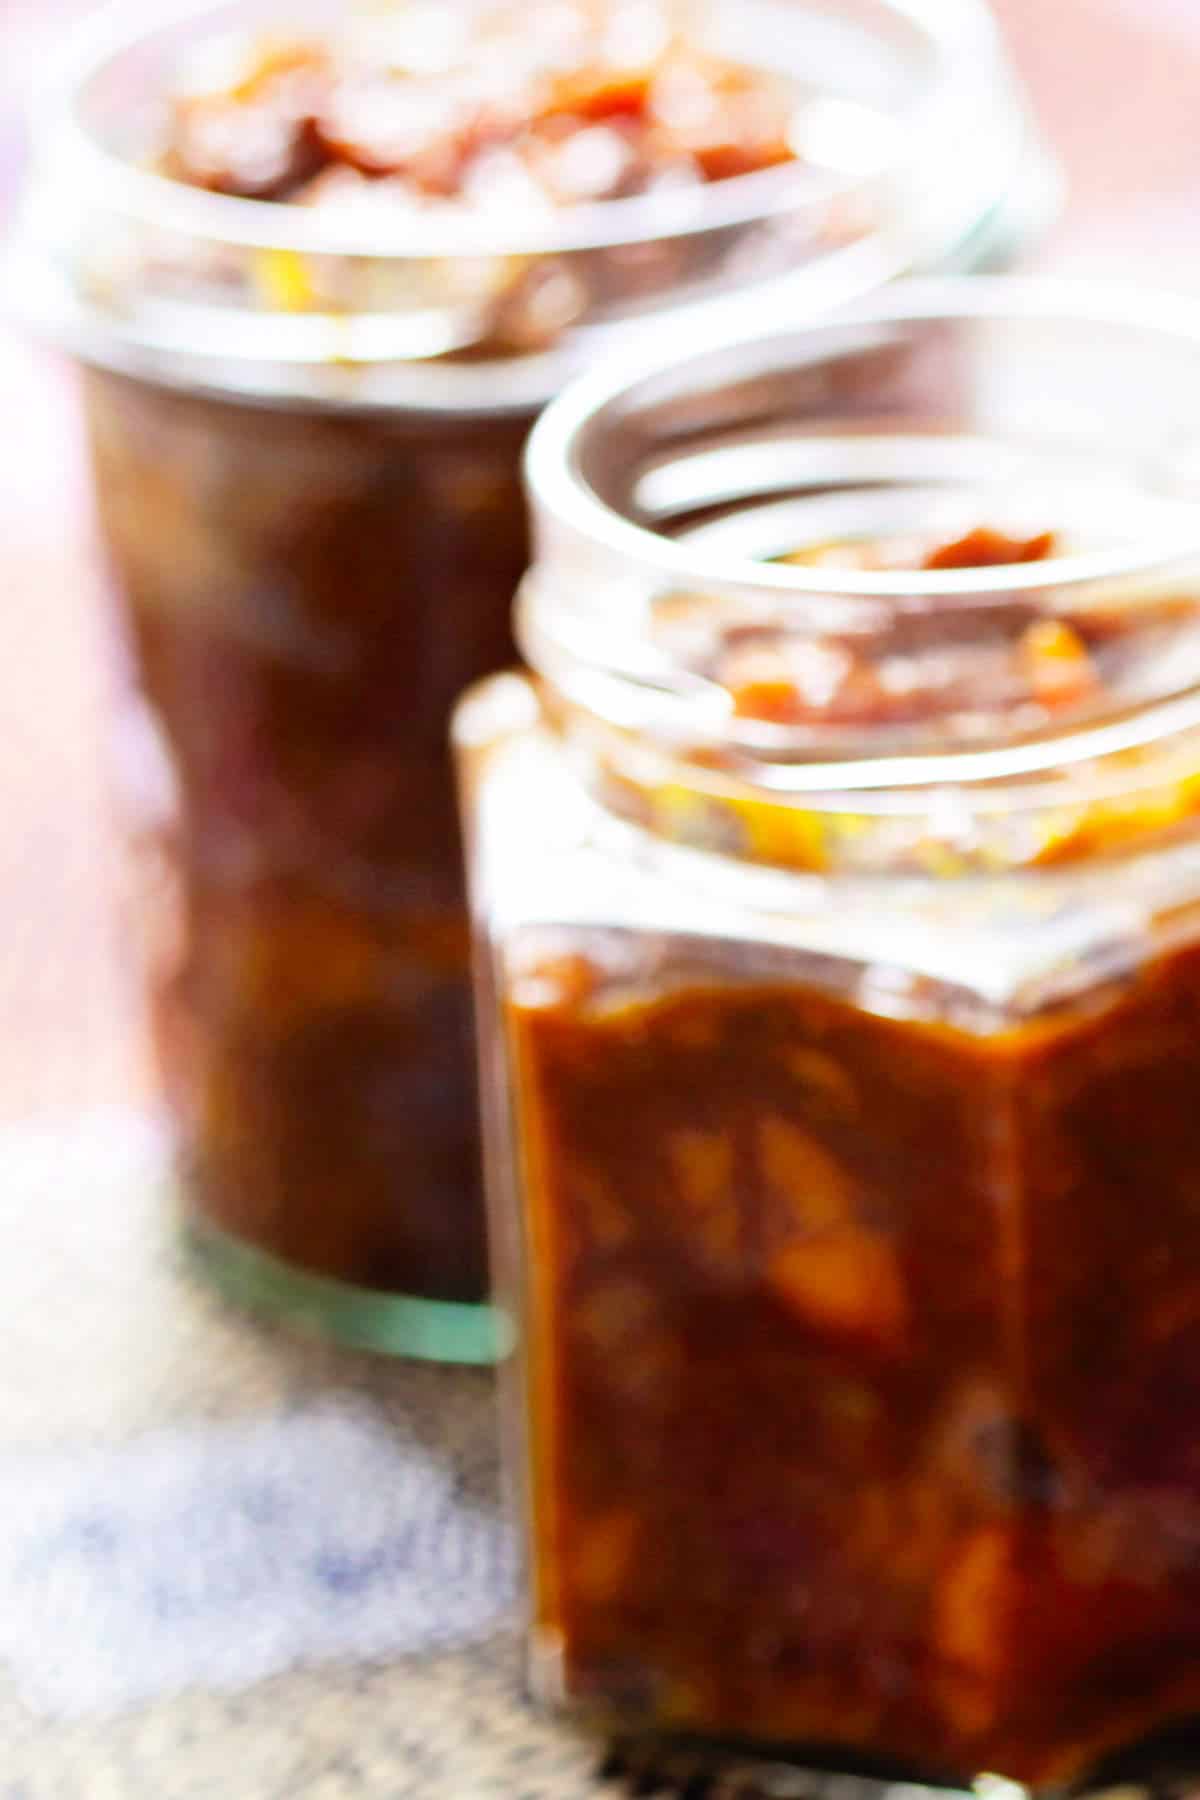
(915, 140)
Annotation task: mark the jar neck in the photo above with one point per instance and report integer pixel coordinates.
(912, 587)
(1059, 802)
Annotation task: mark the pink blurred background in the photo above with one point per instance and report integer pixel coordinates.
(1115, 84)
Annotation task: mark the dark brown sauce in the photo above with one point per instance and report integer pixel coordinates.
(309, 593)
(866, 1366)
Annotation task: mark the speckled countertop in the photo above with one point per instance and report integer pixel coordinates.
(233, 1564)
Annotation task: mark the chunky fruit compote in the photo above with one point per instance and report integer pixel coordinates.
(864, 1335)
(308, 594)
(964, 666)
(526, 107)
(311, 588)
(866, 1361)
(933, 671)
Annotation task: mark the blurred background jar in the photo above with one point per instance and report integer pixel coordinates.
(837, 882)
(308, 397)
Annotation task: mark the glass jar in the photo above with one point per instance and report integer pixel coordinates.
(306, 427)
(841, 1055)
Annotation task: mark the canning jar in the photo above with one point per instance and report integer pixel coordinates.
(306, 422)
(836, 878)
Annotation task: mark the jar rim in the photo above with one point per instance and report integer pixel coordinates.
(629, 627)
(562, 495)
(954, 39)
(86, 267)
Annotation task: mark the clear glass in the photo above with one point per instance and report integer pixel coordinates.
(840, 1083)
(306, 433)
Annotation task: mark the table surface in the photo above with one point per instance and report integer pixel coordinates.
(201, 1580)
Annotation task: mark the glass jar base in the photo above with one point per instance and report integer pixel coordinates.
(1158, 1767)
(360, 1318)
(683, 1765)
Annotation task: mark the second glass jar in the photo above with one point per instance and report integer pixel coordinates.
(307, 426)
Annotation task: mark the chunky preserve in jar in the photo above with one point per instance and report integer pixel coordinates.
(321, 278)
(532, 109)
(839, 914)
(310, 591)
(307, 596)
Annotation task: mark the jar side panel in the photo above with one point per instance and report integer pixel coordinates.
(766, 1268)
(878, 1294)
(1110, 1238)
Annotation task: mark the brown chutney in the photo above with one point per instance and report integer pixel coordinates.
(309, 586)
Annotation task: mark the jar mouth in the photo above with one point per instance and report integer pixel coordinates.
(951, 47)
(569, 472)
(99, 228)
(664, 488)
(156, 199)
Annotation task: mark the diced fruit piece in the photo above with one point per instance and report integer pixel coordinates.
(619, 1327)
(847, 1284)
(596, 1208)
(581, 163)
(809, 1190)
(553, 981)
(731, 120)
(701, 1165)
(786, 681)
(599, 93)
(1060, 671)
(826, 1083)
(601, 1554)
(984, 548)
(971, 1628)
(285, 280)
(423, 130)
(254, 137)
